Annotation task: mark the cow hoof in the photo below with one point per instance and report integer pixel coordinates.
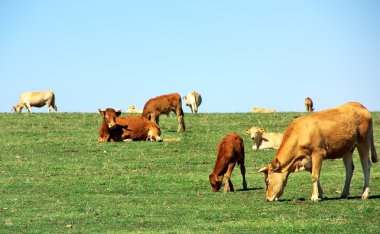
(344, 196)
(364, 197)
(316, 199)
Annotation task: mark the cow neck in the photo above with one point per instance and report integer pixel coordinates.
(286, 157)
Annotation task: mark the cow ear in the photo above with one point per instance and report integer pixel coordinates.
(264, 139)
(101, 112)
(276, 165)
(263, 169)
(118, 112)
(247, 131)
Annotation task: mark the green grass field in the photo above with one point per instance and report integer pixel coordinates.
(56, 178)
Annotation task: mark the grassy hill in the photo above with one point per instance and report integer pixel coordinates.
(56, 178)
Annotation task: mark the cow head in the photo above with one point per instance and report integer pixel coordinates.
(275, 180)
(216, 182)
(256, 135)
(17, 108)
(109, 116)
(154, 133)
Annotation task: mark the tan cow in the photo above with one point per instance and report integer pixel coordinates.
(194, 100)
(264, 140)
(328, 134)
(230, 150)
(309, 104)
(36, 99)
(128, 128)
(165, 104)
(262, 110)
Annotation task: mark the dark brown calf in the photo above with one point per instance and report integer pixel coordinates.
(230, 150)
(108, 127)
(165, 104)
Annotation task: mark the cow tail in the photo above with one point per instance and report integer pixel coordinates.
(373, 150)
(53, 102)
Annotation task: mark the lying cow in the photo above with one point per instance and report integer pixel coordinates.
(194, 100)
(309, 104)
(36, 99)
(328, 134)
(165, 104)
(264, 140)
(262, 110)
(129, 128)
(230, 150)
(132, 109)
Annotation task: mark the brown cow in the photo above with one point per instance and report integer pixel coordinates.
(230, 150)
(129, 128)
(37, 99)
(309, 104)
(165, 104)
(328, 134)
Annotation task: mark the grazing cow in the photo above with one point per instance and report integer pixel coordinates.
(129, 128)
(262, 110)
(132, 109)
(328, 134)
(309, 104)
(165, 104)
(36, 99)
(264, 140)
(230, 150)
(194, 100)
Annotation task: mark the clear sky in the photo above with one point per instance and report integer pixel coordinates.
(237, 54)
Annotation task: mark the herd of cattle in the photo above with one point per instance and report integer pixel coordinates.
(307, 141)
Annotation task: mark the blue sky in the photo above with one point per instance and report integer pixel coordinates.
(237, 54)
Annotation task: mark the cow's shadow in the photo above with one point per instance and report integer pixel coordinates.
(304, 200)
(248, 189)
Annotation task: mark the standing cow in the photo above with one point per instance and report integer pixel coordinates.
(309, 104)
(229, 152)
(328, 134)
(36, 99)
(165, 104)
(194, 100)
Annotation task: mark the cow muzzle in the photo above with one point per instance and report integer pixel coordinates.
(111, 125)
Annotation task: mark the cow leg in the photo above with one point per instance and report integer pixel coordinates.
(242, 170)
(349, 166)
(194, 108)
(181, 124)
(228, 184)
(317, 158)
(29, 108)
(366, 166)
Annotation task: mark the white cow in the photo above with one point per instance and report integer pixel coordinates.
(194, 100)
(132, 109)
(36, 99)
(264, 140)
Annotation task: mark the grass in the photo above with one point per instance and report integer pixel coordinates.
(56, 178)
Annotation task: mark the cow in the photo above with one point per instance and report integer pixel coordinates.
(264, 140)
(230, 150)
(129, 128)
(165, 104)
(309, 104)
(329, 134)
(193, 100)
(132, 109)
(36, 99)
(262, 110)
